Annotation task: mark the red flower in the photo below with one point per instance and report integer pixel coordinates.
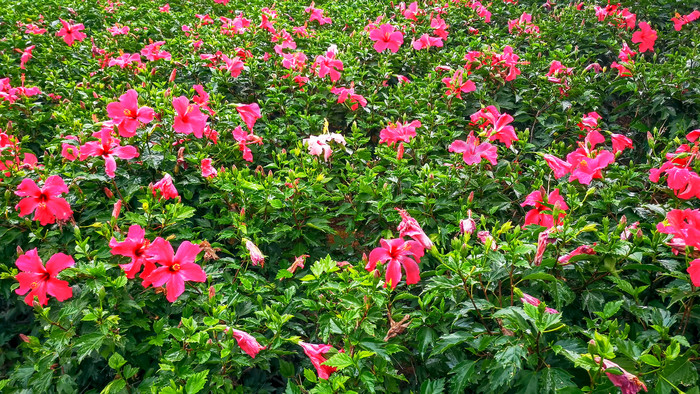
(526, 298)
(127, 115)
(694, 272)
(166, 188)
(107, 148)
(394, 133)
(41, 280)
(177, 268)
(539, 214)
(620, 142)
(559, 166)
(244, 139)
(585, 169)
(250, 113)
(316, 354)
(71, 33)
(385, 36)
(425, 41)
(497, 125)
(628, 383)
(645, 38)
(135, 246)
(247, 342)
(207, 170)
(458, 85)
(45, 202)
(189, 119)
(473, 152)
(397, 253)
(26, 55)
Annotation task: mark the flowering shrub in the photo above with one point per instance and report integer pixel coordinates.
(434, 196)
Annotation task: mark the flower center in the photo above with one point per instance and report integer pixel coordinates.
(34, 285)
(127, 112)
(175, 267)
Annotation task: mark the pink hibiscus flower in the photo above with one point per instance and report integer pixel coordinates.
(249, 113)
(39, 280)
(247, 342)
(107, 148)
(397, 253)
(316, 355)
(189, 119)
(646, 37)
(127, 115)
(45, 202)
(176, 268)
(385, 36)
(473, 152)
(135, 246)
(244, 139)
(71, 33)
(540, 215)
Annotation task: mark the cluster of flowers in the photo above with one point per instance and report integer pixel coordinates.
(12, 94)
(586, 163)
(684, 225)
(494, 126)
(678, 168)
(397, 253)
(502, 64)
(523, 25)
(395, 132)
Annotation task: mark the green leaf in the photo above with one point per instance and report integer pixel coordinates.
(340, 361)
(196, 382)
(540, 276)
(650, 359)
(116, 361)
(114, 386)
(432, 386)
(463, 374)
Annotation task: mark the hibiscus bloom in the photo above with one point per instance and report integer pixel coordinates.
(628, 383)
(397, 253)
(207, 170)
(646, 37)
(256, 255)
(540, 215)
(107, 148)
(583, 249)
(135, 246)
(176, 268)
(473, 152)
(386, 37)
(39, 280)
(189, 119)
(127, 115)
(250, 113)
(496, 124)
(425, 42)
(394, 133)
(318, 144)
(620, 142)
(348, 94)
(26, 55)
(694, 271)
(316, 355)
(328, 65)
(45, 202)
(457, 84)
(247, 342)
(71, 33)
(165, 187)
(244, 139)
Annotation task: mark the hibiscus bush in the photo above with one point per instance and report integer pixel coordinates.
(367, 196)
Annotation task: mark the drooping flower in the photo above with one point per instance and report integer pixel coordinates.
(250, 113)
(244, 139)
(127, 115)
(526, 298)
(189, 119)
(208, 171)
(385, 36)
(45, 202)
(135, 246)
(410, 227)
(680, 20)
(628, 383)
(39, 280)
(318, 144)
(26, 55)
(542, 214)
(256, 255)
(397, 253)
(620, 142)
(165, 188)
(108, 148)
(583, 249)
(247, 342)
(487, 239)
(473, 151)
(559, 166)
(176, 268)
(646, 37)
(71, 33)
(316, 355)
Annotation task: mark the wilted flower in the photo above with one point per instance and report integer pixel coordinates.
(526, 298)
(410, 227)
(256, 255)
(467, 226)
(628, 383)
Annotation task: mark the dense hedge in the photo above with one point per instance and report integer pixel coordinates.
(349, 196)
